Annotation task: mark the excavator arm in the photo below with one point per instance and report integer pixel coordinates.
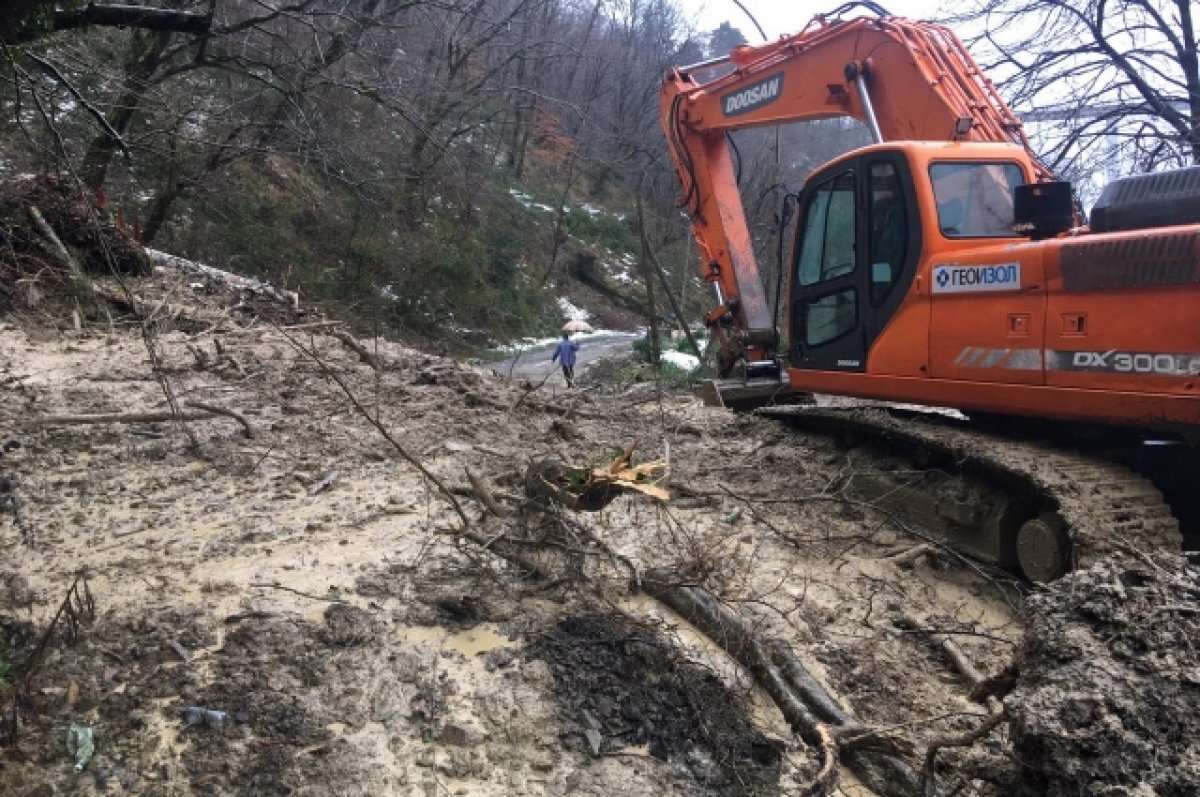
(905, 80)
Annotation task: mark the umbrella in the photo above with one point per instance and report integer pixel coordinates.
(577, 326)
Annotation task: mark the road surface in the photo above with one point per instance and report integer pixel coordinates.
(533, 364)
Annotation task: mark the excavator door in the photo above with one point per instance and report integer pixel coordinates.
(857, 248)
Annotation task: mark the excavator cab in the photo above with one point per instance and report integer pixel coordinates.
(858, 245)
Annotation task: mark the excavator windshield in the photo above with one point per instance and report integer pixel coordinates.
(975, 200)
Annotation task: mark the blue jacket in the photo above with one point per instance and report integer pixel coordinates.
(566, 350)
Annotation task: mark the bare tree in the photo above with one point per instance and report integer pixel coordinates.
(1097, 79)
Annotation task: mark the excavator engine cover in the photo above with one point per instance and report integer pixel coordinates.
(1161, 199)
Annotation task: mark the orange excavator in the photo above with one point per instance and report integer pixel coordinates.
(945, 266)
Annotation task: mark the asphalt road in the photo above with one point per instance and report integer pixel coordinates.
(533, 364)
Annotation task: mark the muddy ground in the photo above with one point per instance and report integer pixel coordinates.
(310, 582)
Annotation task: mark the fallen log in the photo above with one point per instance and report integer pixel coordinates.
(805, 704)
(80, 280)
(359, 349)
(202, 412)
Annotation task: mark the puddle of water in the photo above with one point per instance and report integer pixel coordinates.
(476, 641)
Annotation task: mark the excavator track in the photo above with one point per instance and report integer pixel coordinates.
(1063, 509)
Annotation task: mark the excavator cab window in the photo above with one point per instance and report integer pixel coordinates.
(975, 200)
(828, 249)
(888, 242)
(827, 252)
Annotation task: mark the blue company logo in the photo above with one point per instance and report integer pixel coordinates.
(957, 278)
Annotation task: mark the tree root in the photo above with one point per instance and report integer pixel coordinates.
(928, 781)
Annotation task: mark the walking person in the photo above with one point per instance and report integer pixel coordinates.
(565, 353)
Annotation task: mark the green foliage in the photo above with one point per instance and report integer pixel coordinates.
(641, 346)
(437, 267)
(671, 374)
(603, 229)
(678, 377)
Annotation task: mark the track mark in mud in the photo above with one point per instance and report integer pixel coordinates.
(625, 686)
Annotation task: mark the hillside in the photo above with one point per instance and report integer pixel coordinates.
(443, 173)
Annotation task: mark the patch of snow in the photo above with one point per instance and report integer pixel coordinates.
(571, 312)
(680, 360)
(527, 201)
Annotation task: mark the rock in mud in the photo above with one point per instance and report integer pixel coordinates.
(1108, 702)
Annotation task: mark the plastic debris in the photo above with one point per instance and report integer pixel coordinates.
(194, 715)
(81, 744)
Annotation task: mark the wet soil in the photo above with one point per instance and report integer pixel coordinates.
(625, 686)
(312, 584)
(1108, 698)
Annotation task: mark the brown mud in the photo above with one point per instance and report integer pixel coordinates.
(312, 584)
(1108, 698)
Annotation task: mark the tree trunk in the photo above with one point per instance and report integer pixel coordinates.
(145, 54)
(651, 310)
(159, 211)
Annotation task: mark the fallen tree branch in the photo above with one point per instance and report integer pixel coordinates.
(130, 16)
(882, 772)
(120, 417)
(359, 349)
(910, 555)
(309, 595)
(962, 663)
(203, 412)
(503, 548)
(485, 496)
(826, 777)
(228, 413)
(81, 281)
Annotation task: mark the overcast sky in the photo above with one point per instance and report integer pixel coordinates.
(778, 18)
